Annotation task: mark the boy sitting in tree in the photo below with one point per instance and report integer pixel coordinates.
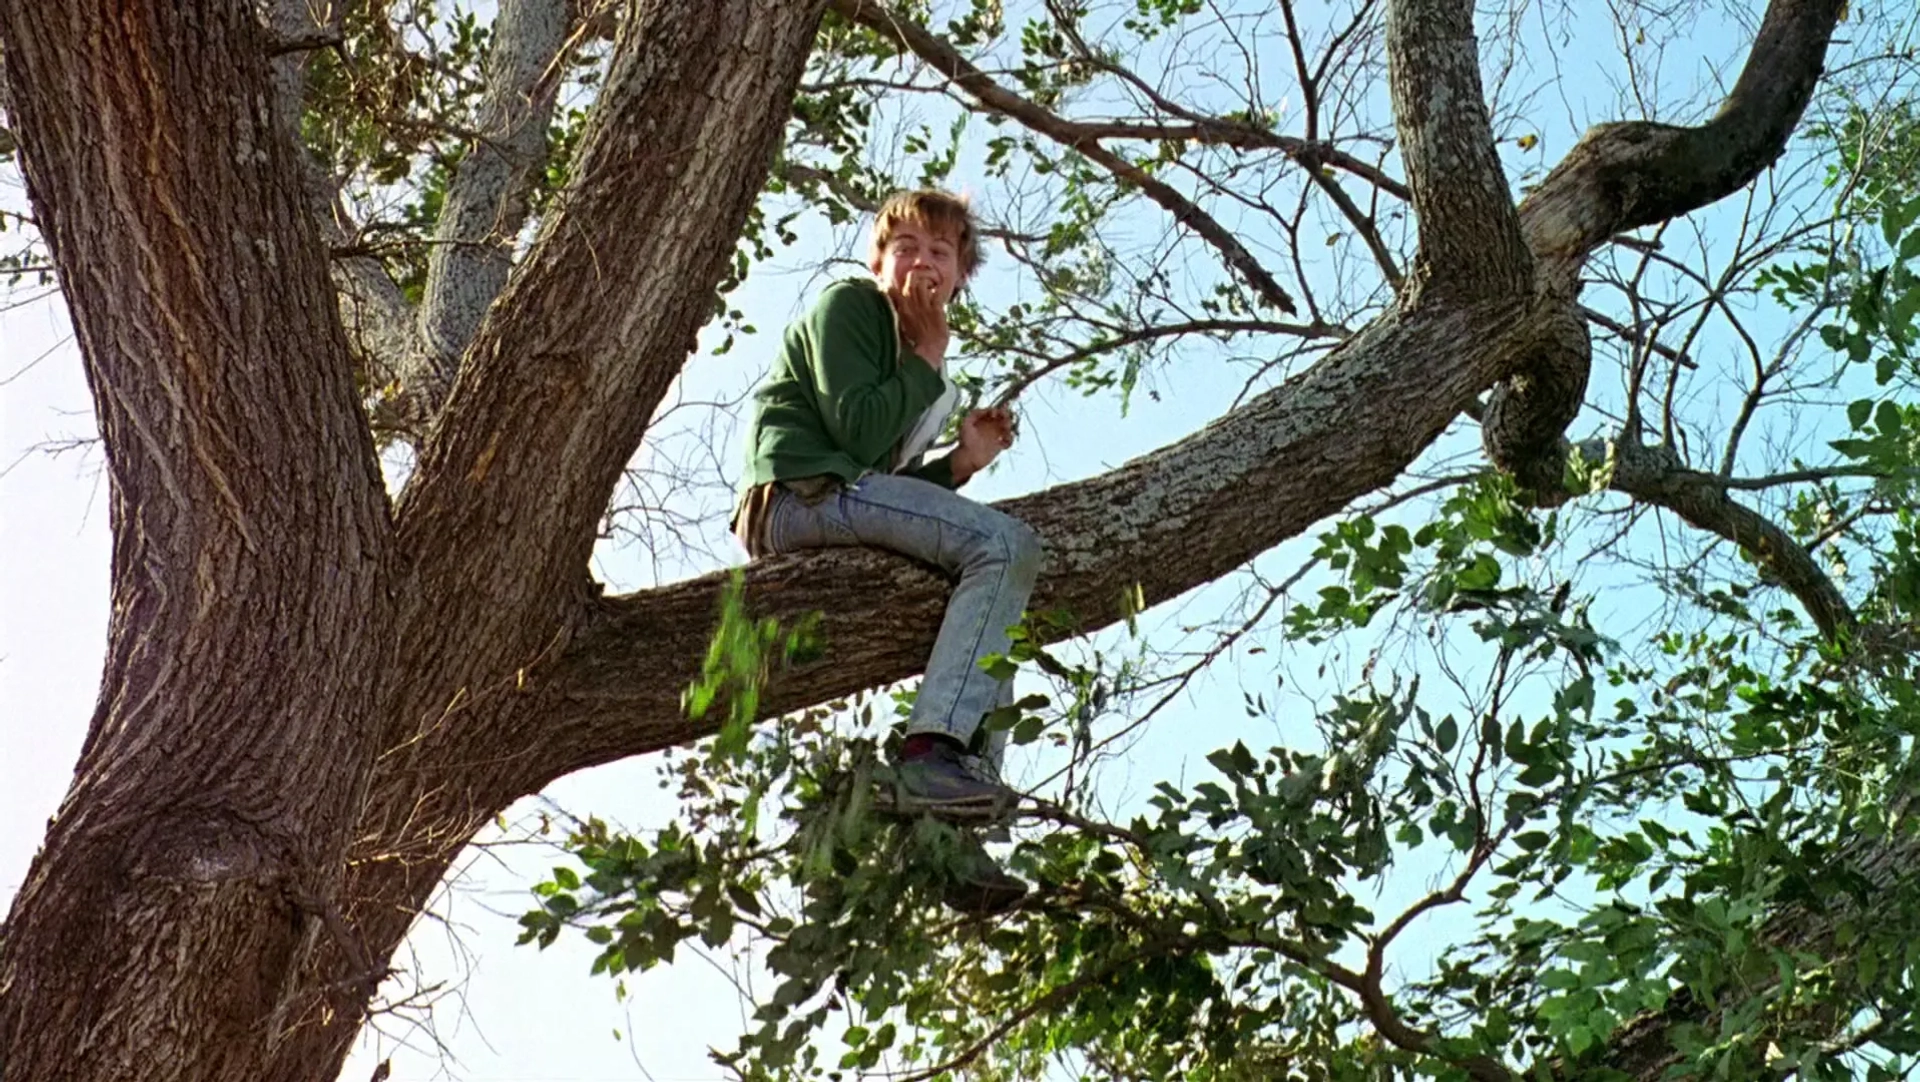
(836, 456)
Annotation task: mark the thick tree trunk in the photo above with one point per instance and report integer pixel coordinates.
(229, 873)
(220, 782)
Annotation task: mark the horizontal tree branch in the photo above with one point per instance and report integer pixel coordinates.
(1655, 476)
(1169, 330)
(1161, 524)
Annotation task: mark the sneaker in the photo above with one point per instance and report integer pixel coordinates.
(981, 768)
(938, 782)
(977, 883)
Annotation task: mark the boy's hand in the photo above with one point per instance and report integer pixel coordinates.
(923, 319)
(984, 433)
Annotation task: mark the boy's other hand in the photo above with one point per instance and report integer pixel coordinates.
(923, 319)
(984, 433)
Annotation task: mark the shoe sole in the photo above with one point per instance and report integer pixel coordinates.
(888, 801)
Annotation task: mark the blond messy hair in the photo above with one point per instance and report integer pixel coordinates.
(935, 211)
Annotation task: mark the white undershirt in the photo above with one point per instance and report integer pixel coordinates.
(931, 423)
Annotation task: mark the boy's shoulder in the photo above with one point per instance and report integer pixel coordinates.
(845, 288)
(855, 300)
(851, 318)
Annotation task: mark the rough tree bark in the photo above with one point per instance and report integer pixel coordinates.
(252, 550)
(312, 702)
(486, 202)
(197, 911)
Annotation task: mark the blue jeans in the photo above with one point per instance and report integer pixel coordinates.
(995, 556)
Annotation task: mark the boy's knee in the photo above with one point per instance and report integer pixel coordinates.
(1026, 552)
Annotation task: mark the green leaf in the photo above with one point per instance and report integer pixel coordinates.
(1539, 774)
(1483, 574)
(1904, 1041)
(1243, 760)
(1579, 1039)
(1887, 419)
(743, 899)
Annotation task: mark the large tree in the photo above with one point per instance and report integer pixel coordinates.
(315, 694)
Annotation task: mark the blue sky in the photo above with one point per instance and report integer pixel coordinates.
(521, 1014)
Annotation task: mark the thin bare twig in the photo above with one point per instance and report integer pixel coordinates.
(1147, 334)
(944, 58)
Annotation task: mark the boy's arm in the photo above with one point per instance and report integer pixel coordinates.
(867, 400)
(942, 471)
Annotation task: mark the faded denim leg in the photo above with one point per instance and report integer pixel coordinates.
(995, 557)
(990, 747)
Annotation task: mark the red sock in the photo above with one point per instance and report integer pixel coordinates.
(920, 744)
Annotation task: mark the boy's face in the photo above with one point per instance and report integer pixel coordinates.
(917, 258)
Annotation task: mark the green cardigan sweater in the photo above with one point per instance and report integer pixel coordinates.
(841, 394)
